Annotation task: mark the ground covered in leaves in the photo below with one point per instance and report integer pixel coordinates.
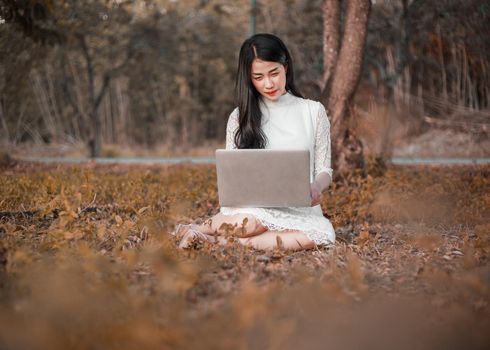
(86, 261)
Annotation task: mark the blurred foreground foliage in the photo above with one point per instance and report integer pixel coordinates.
(86, 261)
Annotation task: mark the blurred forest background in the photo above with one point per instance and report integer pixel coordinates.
(160, 73)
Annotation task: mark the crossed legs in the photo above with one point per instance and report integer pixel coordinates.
(251, 232)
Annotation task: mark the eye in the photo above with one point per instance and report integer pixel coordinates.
(275, 74)
(257, 78)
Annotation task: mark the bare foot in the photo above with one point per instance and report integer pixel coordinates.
(181, 229)
(191, 237)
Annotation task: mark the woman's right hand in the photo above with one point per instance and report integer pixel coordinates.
(315, 193)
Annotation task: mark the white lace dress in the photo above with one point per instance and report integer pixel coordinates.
(292, 123)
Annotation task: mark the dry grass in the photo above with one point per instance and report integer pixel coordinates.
(87, 262)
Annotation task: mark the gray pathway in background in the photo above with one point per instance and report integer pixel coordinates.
(211, 160)
(438, 161)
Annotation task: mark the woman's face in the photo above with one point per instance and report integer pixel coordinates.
(269, 78)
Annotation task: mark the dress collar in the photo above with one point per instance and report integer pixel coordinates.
(283, 100)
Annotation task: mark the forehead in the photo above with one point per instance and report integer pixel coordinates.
(262, 67)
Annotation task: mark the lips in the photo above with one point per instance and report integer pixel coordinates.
(271, 93)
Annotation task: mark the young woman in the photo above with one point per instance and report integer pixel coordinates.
(272, 114)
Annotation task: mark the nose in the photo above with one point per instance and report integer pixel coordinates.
(268, 83)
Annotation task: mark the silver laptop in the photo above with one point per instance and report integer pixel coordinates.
(263, 178)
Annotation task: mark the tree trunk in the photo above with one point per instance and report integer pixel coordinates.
(331, 39)
(95, 138)
(341, 82)
(94, 143)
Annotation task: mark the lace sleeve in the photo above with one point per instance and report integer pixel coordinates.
(231, 129)
(322, 143)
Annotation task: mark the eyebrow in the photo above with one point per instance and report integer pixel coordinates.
(272, 70)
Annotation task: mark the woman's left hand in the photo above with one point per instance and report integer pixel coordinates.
(315, 193)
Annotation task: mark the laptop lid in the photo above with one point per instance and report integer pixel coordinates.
(263, 178)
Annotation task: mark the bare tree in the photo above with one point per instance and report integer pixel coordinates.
(95, 98)
(343, 57)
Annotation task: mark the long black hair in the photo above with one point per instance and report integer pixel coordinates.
(266, 47)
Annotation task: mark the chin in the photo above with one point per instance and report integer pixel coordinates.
(273, 98)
